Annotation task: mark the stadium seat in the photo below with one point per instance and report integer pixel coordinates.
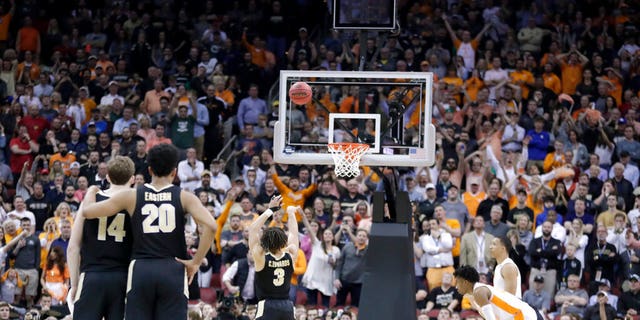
(433, 313)
(468, 313)
(208, 295)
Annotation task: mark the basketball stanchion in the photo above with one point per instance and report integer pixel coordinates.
(346, 157)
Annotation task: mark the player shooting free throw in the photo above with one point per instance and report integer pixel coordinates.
(274, 253)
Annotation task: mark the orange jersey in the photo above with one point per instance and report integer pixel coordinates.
(292, 198)
(299, 267)
(473, 201)
(616, 91)
(455, 224)
(552, 82)
(473, 85)
(571, 77)
(523, 79)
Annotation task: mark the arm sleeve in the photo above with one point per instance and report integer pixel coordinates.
(300, 267)
(282, 188)
(221, 221)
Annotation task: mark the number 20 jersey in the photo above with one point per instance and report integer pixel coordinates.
(106, 242)
(158, 223)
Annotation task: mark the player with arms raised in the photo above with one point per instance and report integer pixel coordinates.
(274, 254)
(492, 303)
(157, 284)
(101, 250)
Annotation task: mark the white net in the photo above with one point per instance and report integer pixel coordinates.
(346, 157)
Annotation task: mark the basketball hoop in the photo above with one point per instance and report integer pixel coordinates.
(346, 157)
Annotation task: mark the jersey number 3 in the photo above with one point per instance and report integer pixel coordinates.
(165, 215)
(279, 277)
(115, 228)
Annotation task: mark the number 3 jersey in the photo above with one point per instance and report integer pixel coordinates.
(158, 224)
(273, 281)
(106, 242)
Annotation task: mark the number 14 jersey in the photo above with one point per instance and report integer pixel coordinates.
(158, 223)
(273, 281)
(106, 242)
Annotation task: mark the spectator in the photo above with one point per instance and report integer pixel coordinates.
(604, 286)
(20, 211)
(624, 188)
(537, 297)
(27, 261)
(601, 255)
(219, 180)
(495, 227)
(445, 296)
(601, 310)
(344, 233)
(580, 207)
(65, 234)
(630, 260)
(38, 205)
(238, 279)
(350, 269)
(182, 124)
(629, 304)
(55, 276)
(578, 239)
(319, 278)
(189, 171)
(474, 248)
(451, 226)
(159, 137)
(231, 237)
(544, 253)
(618, 234)
(126, 121)
(11, 286)
(437, 250)
(521, 208)
(107, 100)
(291, 193)
(572, 299)
(28, 38)
(538, 141)
(352, 196)
(465, 47)
(457, 210)
(486, 205)
(65, 158)
(557, 231)
(250, 108)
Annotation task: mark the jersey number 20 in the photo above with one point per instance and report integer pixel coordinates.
(115, 228)
(165, 215)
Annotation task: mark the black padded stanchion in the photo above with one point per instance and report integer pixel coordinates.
(388, 289)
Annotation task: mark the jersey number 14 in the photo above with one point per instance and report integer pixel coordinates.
(115, 228)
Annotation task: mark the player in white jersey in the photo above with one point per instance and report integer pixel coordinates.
(492, 303)
(506, 275)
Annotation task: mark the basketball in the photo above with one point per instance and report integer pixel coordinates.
(300, 93)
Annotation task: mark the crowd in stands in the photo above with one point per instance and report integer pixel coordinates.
(536, 105)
